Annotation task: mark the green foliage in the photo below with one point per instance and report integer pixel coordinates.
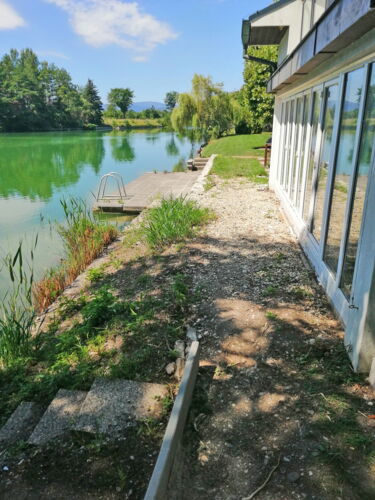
(120, 99)
(35, 95)
(254, 97)
(250, 168)
(171, 100)
(207, 109)
(84, 238)
(92, 105)
(237, 145)
(95, 274)
(175, 219)
(16, 310)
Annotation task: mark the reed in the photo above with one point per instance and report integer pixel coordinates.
(84, 239)
(16, 309)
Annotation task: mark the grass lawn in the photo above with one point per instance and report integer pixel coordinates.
(237, 145)
(250, 168)
(133, 122)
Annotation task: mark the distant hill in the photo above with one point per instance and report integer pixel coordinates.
(140, 106)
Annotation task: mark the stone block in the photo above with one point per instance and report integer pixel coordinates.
(20, 424)
(111, 405)
(59, 417)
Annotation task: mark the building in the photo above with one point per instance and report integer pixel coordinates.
(322, 164)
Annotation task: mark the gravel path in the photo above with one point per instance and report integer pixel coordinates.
(271, 352)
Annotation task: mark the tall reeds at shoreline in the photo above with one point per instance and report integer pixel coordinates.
(84, 238)
(17, 312)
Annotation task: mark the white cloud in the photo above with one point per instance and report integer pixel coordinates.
(9, 18)
(51, 53)
(115, 22)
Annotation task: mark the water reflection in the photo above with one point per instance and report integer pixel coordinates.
(121, 148)
(34, 167)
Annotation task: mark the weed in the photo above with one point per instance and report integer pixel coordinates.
(272, 316)
(122, 479)
(95, 274)
(101, 308)
(210, 183)
(172, 221)
(270, 291)
(68, 307)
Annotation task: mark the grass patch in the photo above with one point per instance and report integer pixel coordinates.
(174, 220)
(250, 168)
(113, 337)
(84, 239)
(237, 145)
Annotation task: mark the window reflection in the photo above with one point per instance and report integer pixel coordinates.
(331, 96)
(362, 173)
(344, 166)
(303, 149)
(310, 164)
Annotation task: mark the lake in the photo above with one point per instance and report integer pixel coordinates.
(37, 170)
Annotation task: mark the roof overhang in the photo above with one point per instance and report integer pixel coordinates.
(344, 22)
(268, 33)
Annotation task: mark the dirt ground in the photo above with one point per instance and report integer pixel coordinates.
(275, 390)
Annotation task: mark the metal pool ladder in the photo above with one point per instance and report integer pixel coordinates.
(121, 195)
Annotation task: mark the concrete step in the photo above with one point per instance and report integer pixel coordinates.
(111, 405)
(59, 417)
(20, 424)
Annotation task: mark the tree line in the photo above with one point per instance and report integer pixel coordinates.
(36, 95)
(207, 111)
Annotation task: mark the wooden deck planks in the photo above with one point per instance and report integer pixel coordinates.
(145, 189)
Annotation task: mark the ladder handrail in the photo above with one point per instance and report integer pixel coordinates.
(103, 185)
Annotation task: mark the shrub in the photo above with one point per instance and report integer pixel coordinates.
(173, 220)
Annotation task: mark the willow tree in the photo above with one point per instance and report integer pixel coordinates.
(207, 109)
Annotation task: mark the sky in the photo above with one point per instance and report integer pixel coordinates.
(150, 46)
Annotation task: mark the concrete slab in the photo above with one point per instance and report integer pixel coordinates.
(143, 191)
(20, 424)
(59, 417)
(111, 404)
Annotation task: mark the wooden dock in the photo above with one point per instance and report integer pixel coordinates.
(141, 192)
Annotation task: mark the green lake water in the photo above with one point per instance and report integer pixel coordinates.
(38, 169)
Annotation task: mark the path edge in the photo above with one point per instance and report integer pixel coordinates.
(158, 485)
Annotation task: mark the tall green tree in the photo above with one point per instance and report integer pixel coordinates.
(35, 95)
(255, 99)
(207, 108)
(92, 104)
(121, 99)
(170, 100)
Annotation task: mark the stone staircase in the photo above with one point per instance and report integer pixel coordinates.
(108, 407)
(197, 163)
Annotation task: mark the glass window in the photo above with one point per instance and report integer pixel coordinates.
(288, 146)
(296, 153)
(344, 166)
(331, 98)
(364, 164)
(284, 141)
(310, 165)
(305, 119)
